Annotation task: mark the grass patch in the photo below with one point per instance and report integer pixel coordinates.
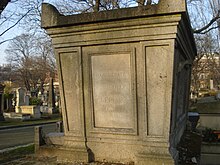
(44, 119)
(16, 154)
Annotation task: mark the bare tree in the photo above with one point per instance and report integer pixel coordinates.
(205, 15)
(14, 15)
(32, 59)
(27, 13)
(82, 6)
(206, 64)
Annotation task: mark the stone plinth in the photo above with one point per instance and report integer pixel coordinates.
(33, 110)
(124, 81)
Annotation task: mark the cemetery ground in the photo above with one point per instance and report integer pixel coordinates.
(25, 156)
(43, 119)
(12, 150)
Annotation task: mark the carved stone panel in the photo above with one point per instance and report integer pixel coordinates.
(113, 104)
(158, 85)
(71, 88)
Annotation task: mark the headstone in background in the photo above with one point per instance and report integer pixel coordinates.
(8, 102)
(20, 99)
(27, 99)
(211, 84)
(1, 102)
(51, 98)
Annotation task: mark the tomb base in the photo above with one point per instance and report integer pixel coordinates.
(67, 154)
(64, 154)
(67, 150)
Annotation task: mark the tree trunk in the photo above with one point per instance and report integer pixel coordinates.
(140, 2)
(97, 2)
(149, 2)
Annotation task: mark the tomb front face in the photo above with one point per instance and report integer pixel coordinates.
(121, 78)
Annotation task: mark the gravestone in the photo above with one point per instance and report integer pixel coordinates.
(2, 102)
(32, 110)
(51, 97)
(211, 84)
(27, 99)
(20, 99)
(124, 80)
(8, 102)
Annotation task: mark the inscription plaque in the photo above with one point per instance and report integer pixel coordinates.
(112, 91)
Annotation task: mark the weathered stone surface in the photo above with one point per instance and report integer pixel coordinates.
(124, 77)
(52, 18)
(20, 99)
(51, 97)
(33, 110)
(112, 91)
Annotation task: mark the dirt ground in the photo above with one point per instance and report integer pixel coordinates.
(32, 160)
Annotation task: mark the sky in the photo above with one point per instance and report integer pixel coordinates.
(13, 33)
(10, 34)
(17, 31)
(2, 54)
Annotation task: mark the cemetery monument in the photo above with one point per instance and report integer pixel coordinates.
(20, 99)
(51, 97)
(2, 102)
(124, 80)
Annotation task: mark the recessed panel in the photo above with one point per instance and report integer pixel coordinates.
(112, 91)
(156, 77)
(70, 69)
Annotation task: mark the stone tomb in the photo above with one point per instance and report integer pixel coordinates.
(33, 110)
(124, 80)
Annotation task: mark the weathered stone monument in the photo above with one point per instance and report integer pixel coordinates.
(22, 104)
(2, 102)
(8, 102)
(20, 99)
(51, 98)
(124, 79)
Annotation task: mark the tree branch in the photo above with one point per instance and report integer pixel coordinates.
(5, 41)
(216, 27)
(15, 23)
(209, 24)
